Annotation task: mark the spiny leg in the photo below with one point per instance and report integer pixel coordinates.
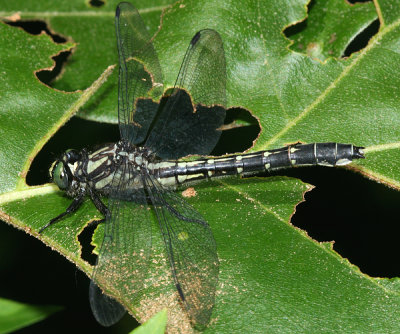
(72, 208)
(99, 204)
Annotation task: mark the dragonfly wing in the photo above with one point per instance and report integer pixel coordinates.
(139, 74)
(122, 264)
(191, 250)
(203, 70)
(190, 124)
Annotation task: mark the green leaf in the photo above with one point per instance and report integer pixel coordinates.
(155, 325)
(325, 34)
(92, 29)
(31, 110)
(273, 277)
(14, 315)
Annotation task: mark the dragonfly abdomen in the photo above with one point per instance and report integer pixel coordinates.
(323, 154)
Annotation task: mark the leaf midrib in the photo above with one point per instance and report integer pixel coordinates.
(78, 13)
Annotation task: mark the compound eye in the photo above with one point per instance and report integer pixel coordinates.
(60, 176)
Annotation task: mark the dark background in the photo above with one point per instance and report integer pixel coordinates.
(359, 214)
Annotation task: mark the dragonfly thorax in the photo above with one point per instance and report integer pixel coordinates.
(137, 156)
(75, 172)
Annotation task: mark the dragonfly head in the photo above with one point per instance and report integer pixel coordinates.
(60, 171)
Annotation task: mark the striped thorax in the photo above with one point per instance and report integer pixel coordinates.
(80, 172)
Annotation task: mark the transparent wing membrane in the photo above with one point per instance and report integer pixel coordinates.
(191, 251)
(178, 132)
(203, 70)
(190, 124)
(139, 74)
(124, 254)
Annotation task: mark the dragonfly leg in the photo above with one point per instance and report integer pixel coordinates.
(99, 205)
(72, 208)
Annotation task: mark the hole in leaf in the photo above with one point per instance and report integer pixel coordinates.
(36, 27)
(85, 238)
(362, 39)
(47, 76)
(299, 26)
(96, 3)
(354, 212)
(239, 131)
(328, 38)
(358, 1)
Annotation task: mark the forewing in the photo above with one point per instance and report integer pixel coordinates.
(139, 74)
(203, 70)
(191, 250)
(124, 254)
(191, 125)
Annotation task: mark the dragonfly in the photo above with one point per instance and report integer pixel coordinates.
(140, 173)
